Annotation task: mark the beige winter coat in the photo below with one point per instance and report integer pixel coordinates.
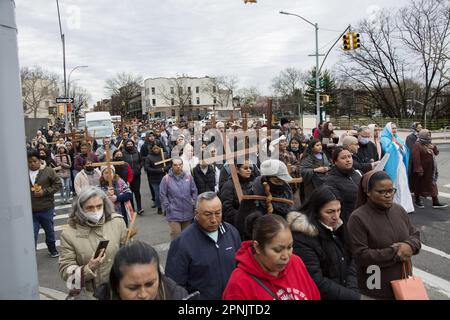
(78, 246)
(81, 180)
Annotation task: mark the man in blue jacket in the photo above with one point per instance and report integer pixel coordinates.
(201, 258)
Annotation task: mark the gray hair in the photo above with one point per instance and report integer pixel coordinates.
(205, 196)
(177, 158)
(363, 128)
(76, 217)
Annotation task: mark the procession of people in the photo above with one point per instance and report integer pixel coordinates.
(301, 218)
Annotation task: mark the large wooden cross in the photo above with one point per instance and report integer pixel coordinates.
(108, 163)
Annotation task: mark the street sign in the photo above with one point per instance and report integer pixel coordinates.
(64, 100)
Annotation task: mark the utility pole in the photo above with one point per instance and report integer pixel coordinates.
(18, 276)
(66, 121)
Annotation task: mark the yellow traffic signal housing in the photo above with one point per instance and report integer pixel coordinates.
(249, 1)
(355, 40)
(346, 41)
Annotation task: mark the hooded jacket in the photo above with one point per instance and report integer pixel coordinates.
(230, 201)
(205, 182)
(284, 191)
(196, 262)
(293, 283)
(134, 160)
(178, 195)
(327, 257)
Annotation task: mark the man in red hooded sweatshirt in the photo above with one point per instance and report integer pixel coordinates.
(267, 269)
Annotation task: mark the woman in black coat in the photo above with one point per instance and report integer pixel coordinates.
(345, 180)
(234, 212)
(321, 240)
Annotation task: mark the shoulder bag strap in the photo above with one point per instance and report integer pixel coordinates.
(264, 287)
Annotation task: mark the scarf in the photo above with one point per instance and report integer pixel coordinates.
(363, 189)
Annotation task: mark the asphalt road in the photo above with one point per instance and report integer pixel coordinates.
(432, 263)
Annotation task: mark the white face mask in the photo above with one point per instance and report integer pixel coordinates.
(93, 217)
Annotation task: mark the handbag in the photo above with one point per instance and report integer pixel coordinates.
(409, 287)
(79, 292)
(265, 287)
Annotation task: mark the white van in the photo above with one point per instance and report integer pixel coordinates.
(100, 124)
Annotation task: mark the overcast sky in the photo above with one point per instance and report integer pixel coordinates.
(163, 38)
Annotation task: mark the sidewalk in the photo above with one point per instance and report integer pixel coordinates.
(50, 294)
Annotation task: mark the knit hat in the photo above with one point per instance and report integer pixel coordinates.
(275, 168)
(348, 140)
(103, 168)
(283, 121)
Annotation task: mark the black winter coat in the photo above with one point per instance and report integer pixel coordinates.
(368, 153)
(230, 202)
(327, 256)
(346, 184)
(155, 173)
(358, 164)
(133, 158)
(204, 182)
(284, 191)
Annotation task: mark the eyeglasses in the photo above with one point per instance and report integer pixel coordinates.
(387, 192)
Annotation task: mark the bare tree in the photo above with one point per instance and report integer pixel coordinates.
(123, 86)
(425, 30)
(248, 96)
(38, 86)
(378, 66)
(289, 82)
(177, 94)
(221, 89)
(81, 98)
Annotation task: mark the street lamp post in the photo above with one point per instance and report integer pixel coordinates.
(66, 122)
(316, 27)
(68, 86)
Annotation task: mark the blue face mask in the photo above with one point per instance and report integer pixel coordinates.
(319, 155)
(294, 149)
(364, 140)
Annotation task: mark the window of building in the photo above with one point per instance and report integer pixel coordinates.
(215, 100)
(44, 91)
(189, 89)
(173, 113)
(214, 89)
(198, 100)
(180, 90)
(172, 90)
(172, 102)
(154, 102)
(190, 102)
(147, 91)
(153, 90)
(197, 89)
(147, 103)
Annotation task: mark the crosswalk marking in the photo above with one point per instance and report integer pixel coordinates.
(445, 195)
(42, 246)
(447, 186)
(60, 216)
(442, 285)
(436, 251)
(66, 206)
(57, 228)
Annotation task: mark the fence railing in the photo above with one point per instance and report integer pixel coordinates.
(349, 123)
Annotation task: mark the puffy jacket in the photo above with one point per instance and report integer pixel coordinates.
(368, 152)
(155, 173)
(311, 179)
(293, 283)
(50, 184)
(327, 257)
(358, 164)
(178, 195)
(347, 185)
(79, 244)
(205, 182)
(197, 263)
(133, 158)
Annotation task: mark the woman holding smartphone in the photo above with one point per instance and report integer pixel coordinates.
(92, 220)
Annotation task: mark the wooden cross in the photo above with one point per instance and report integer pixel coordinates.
(108, 163)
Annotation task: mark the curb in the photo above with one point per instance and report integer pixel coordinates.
(51, 294)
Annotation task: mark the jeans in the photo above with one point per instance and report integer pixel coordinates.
(176, 227)
(44, 219)
(155, 187)
(65, 188)
(152, 191)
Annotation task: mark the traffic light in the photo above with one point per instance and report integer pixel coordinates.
(346, 41)
(355, 40)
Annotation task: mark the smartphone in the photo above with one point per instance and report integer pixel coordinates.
(102, 245)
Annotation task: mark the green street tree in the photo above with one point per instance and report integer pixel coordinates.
(328, 91)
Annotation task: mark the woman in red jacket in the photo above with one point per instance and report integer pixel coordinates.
(266, 268)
